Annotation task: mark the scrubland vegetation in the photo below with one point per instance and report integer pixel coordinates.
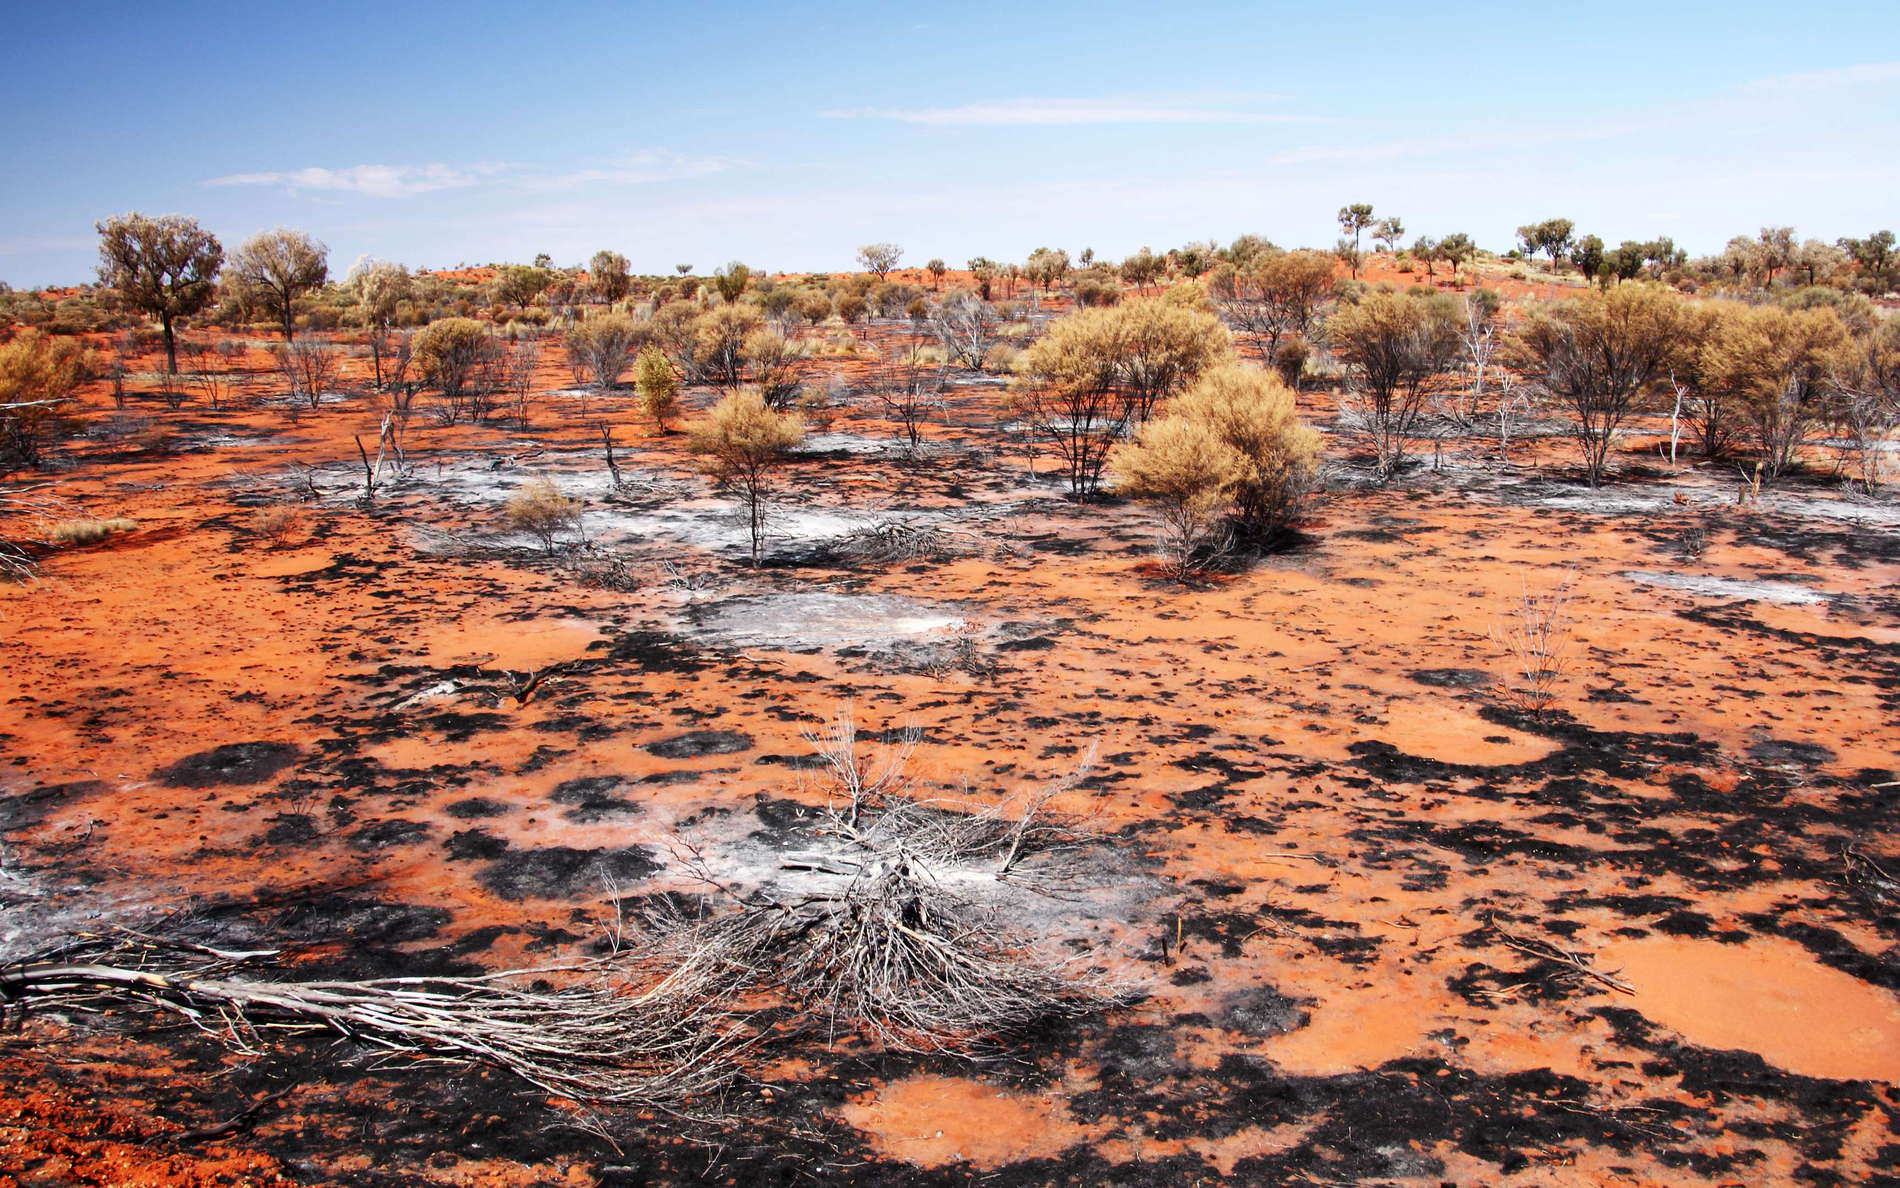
(1373, 520)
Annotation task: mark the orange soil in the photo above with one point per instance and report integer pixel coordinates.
(189, 633)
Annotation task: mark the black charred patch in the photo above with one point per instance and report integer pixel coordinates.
(28, 809)
(656, 651)
(385, 834)
(1262, 1011)
(592, 798)
(562, 872)
(1451, 678)
(474, 843)
(1795, 754)
(475, 808)
(232, 763)
(697, 743)
(292, 829)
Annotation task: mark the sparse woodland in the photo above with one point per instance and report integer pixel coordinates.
(669, 715)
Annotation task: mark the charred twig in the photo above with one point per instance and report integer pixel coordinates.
(1576, 963)
(232, 1124)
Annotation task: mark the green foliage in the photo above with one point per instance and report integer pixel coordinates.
(165, 267)
(37, 376)
(658, 385)
(274, 268)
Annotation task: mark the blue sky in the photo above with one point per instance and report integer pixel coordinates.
(787, 134)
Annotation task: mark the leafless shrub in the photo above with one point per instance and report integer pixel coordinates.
(518, 376)
(965, 654)
(613, 571)
(896, 541)
(909, 388)
(1535, 635)
(310, 368)
(889, 936)
(214, 384)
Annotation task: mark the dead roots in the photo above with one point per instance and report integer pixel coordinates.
(892, 930)
(598, 1032)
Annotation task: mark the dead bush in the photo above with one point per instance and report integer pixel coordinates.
(85, 532)
(1534, 634)
(276, 522)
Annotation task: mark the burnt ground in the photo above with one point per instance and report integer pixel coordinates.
(1366, 896)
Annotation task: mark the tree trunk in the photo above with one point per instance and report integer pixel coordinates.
(171, 345)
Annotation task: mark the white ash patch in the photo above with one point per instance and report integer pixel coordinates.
(806, 620)
(1732, 589)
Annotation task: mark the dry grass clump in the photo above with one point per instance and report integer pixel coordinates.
(898, 541)
(276, 522)
(85, 532)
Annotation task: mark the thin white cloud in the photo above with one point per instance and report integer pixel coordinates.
(1477, 140)
(404, 181)
(376, 181)
(636, 169)
(1842, 78)
(1028, 113)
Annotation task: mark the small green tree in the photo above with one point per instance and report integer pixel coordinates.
(936, 268)
(610, 275)
(741, 442)
(658, 385)
(1141, 269)
(1455, 249)
(1389, 231)
(275, 268)
(380, 288)
(1587, 255)
(730, 282)
(519, 284)
(1353, 220)
(880, 258)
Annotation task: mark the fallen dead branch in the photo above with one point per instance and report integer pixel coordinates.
(603, 1032)
(1576, 964)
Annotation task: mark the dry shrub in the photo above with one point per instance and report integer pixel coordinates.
(896, 541)
(85, 532)
(276, 522)
(741, 440)
(1231, 452)
(540, 510)
(894, 927)
(658, 384)
(1535, 636)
